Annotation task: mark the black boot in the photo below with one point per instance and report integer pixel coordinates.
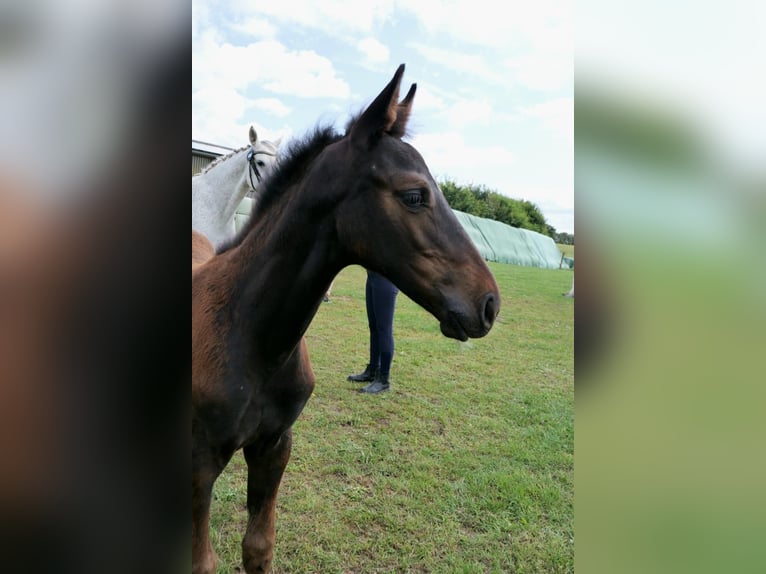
(378, 385)
(368, 375)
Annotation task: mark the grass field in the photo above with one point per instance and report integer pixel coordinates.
(567, 250)
(466, 466)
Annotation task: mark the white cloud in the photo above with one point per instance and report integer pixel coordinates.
(332, 16)
(556, 115)
(215, 112)
(537, 70)
(223, 116)
(307, 75)
(528, 44)
(273, 106)
(255, 27)
(470, 113)
(267, 65)
(374, 51)
(542, 70)
(459, 61)
(447, 154)
(228, 81)
(516, 23)
(199, 18)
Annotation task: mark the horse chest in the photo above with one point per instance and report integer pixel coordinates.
(267, 403)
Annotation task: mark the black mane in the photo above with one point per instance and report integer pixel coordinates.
(289, 169)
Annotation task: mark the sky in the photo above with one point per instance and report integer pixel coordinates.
(494, 103)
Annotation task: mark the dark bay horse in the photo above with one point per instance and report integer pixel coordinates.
(366, 198)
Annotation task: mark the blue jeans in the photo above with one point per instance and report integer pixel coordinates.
(380, 295)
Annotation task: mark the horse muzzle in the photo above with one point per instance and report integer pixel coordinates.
(463, 324)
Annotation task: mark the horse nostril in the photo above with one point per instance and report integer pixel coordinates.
(490, 310)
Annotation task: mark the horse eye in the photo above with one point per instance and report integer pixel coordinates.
(261, 164)
(413, 198)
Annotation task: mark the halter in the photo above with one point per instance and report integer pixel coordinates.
(253, 167)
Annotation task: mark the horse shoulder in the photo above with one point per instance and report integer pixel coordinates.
(291, 386)
(202, 250)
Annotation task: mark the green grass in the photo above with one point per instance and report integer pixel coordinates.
(567, 250)
(465, 466)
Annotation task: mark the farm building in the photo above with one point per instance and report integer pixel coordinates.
(203, 153)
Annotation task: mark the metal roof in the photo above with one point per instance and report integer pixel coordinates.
(210, 149)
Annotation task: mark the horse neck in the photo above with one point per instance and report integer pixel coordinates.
(219, 192)
(283, 267)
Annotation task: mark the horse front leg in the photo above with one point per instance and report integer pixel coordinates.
(264, 473)
(207, 465)
(204, 558)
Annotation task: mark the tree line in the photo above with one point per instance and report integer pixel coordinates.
(480, 201)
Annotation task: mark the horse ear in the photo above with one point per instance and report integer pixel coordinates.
(253, 136)
(403, 110)
(380, 115)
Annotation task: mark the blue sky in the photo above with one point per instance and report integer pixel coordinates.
(494, 104)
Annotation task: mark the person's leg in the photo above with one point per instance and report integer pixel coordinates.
(383, 301)
(373, 321)
(372, 367)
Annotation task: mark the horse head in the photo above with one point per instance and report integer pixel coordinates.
(261, 157)
(393, 218)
